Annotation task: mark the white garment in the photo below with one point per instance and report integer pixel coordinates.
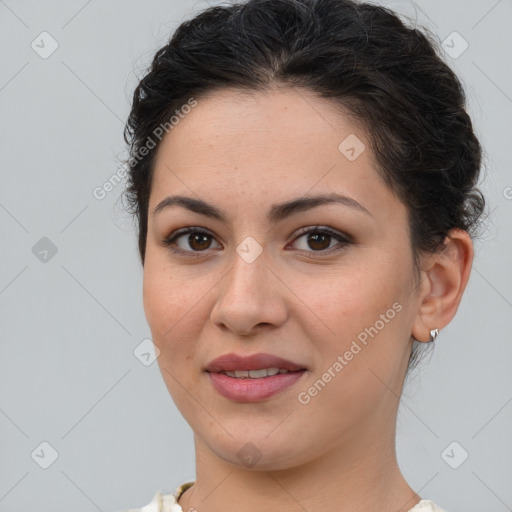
(169, 503)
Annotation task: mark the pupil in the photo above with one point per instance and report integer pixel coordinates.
(195, 238)
(323, 236)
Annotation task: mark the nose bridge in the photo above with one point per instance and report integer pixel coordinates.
(248, 296)
(248, 277)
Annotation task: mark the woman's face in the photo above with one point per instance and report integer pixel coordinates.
(338, 302)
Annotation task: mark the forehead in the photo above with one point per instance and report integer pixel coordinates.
(264, 147)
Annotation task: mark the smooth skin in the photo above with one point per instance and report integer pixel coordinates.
(302, 299)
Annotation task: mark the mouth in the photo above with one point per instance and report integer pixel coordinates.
(252, 378)
(255, 374)
(254, 363)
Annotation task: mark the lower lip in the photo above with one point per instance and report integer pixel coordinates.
(253, 390)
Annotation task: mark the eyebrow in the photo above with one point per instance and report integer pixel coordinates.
(276, 213)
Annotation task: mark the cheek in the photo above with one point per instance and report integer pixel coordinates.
(351, 299)
(366, 316)
(364, 309)
(169, 304)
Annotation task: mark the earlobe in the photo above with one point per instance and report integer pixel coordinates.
(446, 275)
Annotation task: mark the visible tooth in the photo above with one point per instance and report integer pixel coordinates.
(258, 374)
(254, 374)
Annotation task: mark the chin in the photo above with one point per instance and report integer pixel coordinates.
(259, 452)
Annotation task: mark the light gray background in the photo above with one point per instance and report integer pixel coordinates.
(70, 325)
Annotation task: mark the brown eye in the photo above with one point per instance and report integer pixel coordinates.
(191, 240)
(319, 240)
(199, 241)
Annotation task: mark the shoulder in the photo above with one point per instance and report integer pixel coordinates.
(159, 503)
(163, 502)
(426, 506)
(169, 503)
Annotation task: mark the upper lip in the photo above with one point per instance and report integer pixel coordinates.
(231, 362)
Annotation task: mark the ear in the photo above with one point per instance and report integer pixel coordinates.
(444, 276)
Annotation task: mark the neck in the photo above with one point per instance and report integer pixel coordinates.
(360, 476)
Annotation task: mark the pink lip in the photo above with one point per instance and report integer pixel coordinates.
(231, 362)
(248, 389)
(253, 390)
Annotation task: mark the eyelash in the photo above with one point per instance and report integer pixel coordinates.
(343, 240)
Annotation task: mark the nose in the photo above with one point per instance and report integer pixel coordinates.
(251, 298)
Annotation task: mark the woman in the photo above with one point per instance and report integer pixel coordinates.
(304, 175)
